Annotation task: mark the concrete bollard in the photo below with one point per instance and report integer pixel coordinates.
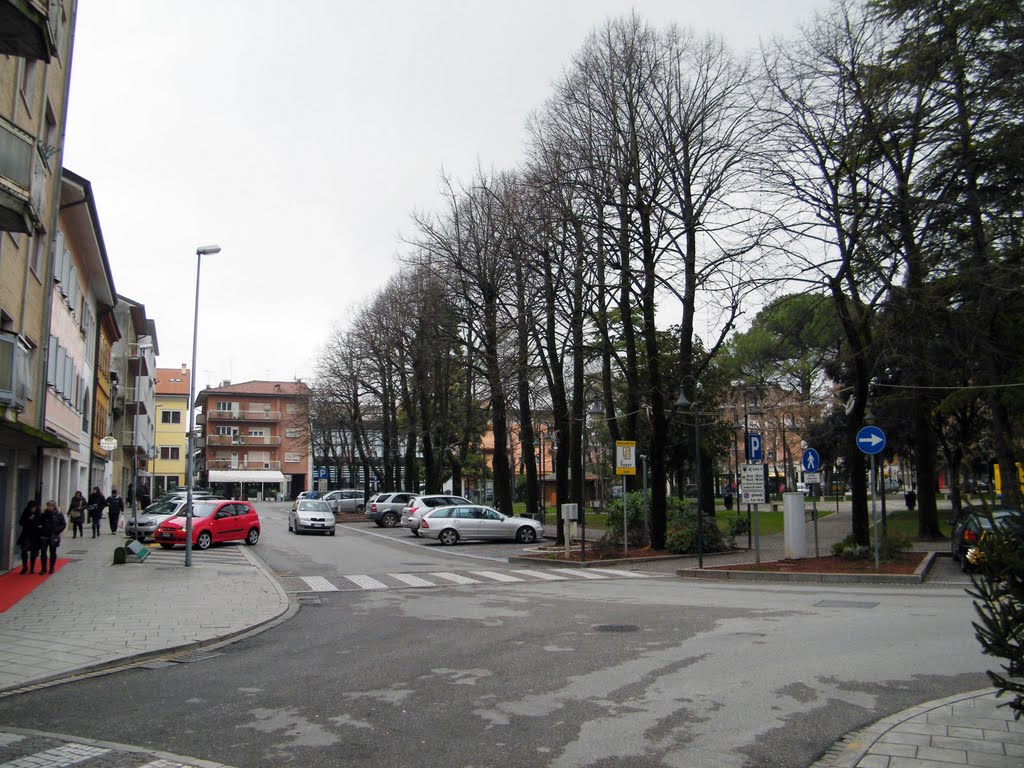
(793, 525)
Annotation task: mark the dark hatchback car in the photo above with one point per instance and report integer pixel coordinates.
(969, 530)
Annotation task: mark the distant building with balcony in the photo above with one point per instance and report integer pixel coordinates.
(172, 391)
(254, 439)
(133, 404)
(35, 67)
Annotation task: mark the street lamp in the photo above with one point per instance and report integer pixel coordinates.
(785, 449)
(206, 250)
(736, 427)
(694, 408)
(142, 349)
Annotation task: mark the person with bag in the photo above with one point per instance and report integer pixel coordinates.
(97, 501)
(52, 525)
(76, 514)
(115, 506)
(28, 539)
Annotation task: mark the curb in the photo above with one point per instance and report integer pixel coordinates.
(722, 574)
(541, 560)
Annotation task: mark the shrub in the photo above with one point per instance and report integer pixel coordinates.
(681, 536)
(889, 545)
(634, 517)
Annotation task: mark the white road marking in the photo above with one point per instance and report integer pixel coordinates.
(319, 584)
(497, 576)
(456, 578)
(69, 754)
(411, 580)
(365, 582)
(542, 575)
(580, 573)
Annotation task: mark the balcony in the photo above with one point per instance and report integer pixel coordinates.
(262, 416)
(242, 465)
(135, 400)
(16, 177)
(138, 356)
(25, 29)
(243, 440)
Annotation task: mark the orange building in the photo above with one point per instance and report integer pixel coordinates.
(255, 441)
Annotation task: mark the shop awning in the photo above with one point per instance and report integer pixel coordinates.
(245, 476)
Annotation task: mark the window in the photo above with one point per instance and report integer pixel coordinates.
(170, 417)
(254, 432)
(292, 457)
(222, 430)
(293, 432)
(226, 405)
(170, 452)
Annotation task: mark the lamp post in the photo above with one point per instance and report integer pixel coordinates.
(747, 412)
(206, 250)
(736, 427)
(694, 408)
(142, 349)
(785, 449)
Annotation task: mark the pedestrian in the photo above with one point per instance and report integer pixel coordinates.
(115, 506)
(76, 514)
(129, 497)
(97, 501)
(30, 522)
(50, 529)
(910, 497)
(144, 497)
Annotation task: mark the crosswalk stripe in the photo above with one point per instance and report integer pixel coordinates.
(319, 584)
(365, 582)
(580, 572)
(497, 576)
(69, 754)
(412, 581)
(542, 575)
(457, 578)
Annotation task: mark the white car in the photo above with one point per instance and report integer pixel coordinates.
(418, 506)
(314, 515)
(449, 525)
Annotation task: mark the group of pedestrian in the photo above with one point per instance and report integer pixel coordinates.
(40, 530)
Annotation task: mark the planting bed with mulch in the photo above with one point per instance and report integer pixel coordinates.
(905, 563)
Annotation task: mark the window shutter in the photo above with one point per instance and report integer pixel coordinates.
(58, 256)
(51, 363)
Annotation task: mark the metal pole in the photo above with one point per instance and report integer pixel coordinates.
(746, 460)
(189, 483)
(625, 522)
(700, 508)
(874, 512)
(582, 513)
(647, 519)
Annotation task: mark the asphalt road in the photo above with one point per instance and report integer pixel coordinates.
(577, 672)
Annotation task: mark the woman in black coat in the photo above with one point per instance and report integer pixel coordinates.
(29, 539)
(51, 527)
(97, 502)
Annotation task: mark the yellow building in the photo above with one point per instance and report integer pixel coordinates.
(171, 443)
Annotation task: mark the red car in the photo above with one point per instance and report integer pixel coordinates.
(213, 521)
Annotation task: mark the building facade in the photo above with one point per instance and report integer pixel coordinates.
(35, 68)
(82, 291)
(254, 439)
(133, 388)
(172, 392)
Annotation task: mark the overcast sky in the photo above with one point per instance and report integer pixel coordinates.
(300, 136)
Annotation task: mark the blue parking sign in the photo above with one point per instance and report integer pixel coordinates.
(755, 448)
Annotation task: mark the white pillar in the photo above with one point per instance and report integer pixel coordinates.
(793, 525)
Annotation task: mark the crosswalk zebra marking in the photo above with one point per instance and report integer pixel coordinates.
(69, 754)
(542, 575)
(366, 582)
(580, 572)
(319, 584)
(411, 580)
(457, 578)
(497, 576)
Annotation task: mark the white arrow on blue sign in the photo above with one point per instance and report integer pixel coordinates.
(811, 460)
(870, 440)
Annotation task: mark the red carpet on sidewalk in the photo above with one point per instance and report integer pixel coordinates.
(14, 586)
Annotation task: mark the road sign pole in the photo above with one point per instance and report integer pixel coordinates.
(874, 512)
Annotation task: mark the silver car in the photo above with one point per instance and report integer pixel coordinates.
(313, 515)
(385, 509)
(345, 500)
(144, 525)
(416, 508)
(451, 524)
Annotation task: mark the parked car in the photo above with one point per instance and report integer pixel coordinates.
(969, 531)
(313, 515)
(308, 495)
(180, 494)
(213, 521)
(415, 509)
(385, 509)
(449, 525)
(144, 525)
(346, 500)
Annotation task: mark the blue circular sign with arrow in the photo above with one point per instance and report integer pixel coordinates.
(871, 440)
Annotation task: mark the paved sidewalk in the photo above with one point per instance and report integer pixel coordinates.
(971, 729)
(91, 614)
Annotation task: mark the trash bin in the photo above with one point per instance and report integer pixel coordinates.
(728, 500)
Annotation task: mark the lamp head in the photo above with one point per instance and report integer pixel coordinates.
(207, 250)
(596, 410)
(683, 402)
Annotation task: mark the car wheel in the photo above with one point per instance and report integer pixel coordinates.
(414, 532)
(204, 541)
(390, 519)
(166, 546)
(448, 536)
(330, 532)
(361, 508)
(290, 529)
(252, 537)
(526, 535)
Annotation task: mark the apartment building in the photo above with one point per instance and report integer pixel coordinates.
(169, 463)
(82, 291)
(255, 439)
(133, 389)
(35, 67)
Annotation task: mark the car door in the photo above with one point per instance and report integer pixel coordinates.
(226, 523)
(464, 521)
(491, 525)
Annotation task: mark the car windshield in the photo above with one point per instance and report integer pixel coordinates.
(200, 508)
(162, 508)
(314, 506)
